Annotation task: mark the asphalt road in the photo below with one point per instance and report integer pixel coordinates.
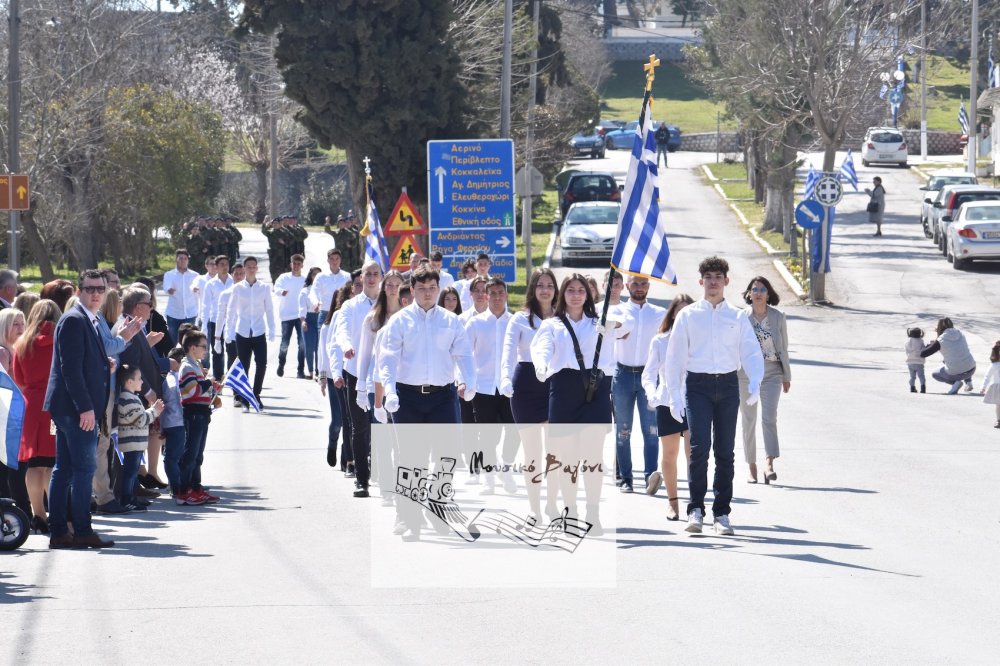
(875, 545)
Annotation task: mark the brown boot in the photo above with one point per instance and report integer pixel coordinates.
(91, 541)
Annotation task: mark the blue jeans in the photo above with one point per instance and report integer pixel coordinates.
(174, 324)
(626, 392)
(713, 401)
(336, 416)
(311, 335)
(196, 427)
(130, 475)
(72, 477)
(173, 451)
(416, 407)
(286, 335)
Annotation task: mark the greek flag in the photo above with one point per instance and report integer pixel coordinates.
(847, 171)
(11, 419)
(963, 117)
(902, 69)
(810, 189)
(374, 240)
(883, 91)
(641, 239)
(237, 380)
(990, 66)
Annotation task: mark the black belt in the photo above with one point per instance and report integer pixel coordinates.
(632, 368)
(424, 388)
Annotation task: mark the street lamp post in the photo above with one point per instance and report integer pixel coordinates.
(14, 131)
(973, 146)
(923, 80)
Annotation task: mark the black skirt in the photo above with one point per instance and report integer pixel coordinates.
(666, 424)
(566, 399)
(530, 402)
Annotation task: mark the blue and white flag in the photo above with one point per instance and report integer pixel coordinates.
(11, 419)
(902, 70)
(641, 239)
(990, 66)
(809, 192)
(847, 171)
(114, 447)
(963, 117)
(237, 380)
(883, 91)
(375, 247)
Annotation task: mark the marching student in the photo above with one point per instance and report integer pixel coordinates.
(478, 301)
(450, 300)
(709, 342)
(468, 272)
(182, 302)
(386, 304)
(309, 316)
(437, 263)
(219, 344)
(348, 337)
(326, 285)
(340, 421)
(250, 314)
(287, 288)
(198, 286)
(210, 312)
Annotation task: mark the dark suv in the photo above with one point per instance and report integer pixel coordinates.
(589, 187)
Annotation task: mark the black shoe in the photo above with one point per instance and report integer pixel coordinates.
(626, 487)
(997, 425)
(147, 481)
(301, 375)
(331, 456)
(281, 371)
(39, 525)
(913, 389)
(112, 507)
(260, 403)
(361, 492)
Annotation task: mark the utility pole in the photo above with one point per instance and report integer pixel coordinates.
(508, 39)
(272, 200)
(973, 147)
(14, 129)
(528, 147)
(923, 80)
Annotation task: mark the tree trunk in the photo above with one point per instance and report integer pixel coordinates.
(76, 183)
(782, 161)
(36, 245)
(260, 172)
(830, 157)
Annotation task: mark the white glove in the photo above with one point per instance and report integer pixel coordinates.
(506, 388)
(217, 347)
(753, 399)
(362, 400)
(391, 403)
(380, 415)
(677, 412)
(601, 330)
(653, 402)
(541, 373)
(469, 394)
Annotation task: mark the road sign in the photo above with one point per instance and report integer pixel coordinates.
(896, 97)
(15, 192)
(470, 189)
(405, 219)
(535, 185)
(829, 191)
(405, 249)
(809, 214)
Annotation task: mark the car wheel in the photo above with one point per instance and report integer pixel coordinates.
(603, 153)
(865, 163)
(959, 264)
(567, 262)
(943, 245)
(948, 254)
(904, 165)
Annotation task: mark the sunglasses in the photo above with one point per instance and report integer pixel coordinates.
(94, 290)
(759, 290)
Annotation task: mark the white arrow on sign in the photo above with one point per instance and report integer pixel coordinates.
(503, 242)
(813, 217)
(439, 172)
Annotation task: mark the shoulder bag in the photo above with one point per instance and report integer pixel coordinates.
(591, 380)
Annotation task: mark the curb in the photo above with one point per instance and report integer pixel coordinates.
(789, 279)
(550, 249)
(770, 249)
(708, 173)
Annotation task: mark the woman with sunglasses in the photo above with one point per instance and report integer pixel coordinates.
(772, 334)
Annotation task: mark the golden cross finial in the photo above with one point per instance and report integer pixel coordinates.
(650, 69)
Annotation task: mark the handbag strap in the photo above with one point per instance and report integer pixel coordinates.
(576, 343)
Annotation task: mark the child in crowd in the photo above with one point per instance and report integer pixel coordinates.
(133, 432)
(991, 385)
(914, 361)
(172, 423)
(198, 393)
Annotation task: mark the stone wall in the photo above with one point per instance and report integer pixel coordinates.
(938, 143)
(706, 143)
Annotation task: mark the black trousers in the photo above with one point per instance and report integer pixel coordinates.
(361, 432)
(346, 450)
(219, 363)
(257, 347)
(496, 409)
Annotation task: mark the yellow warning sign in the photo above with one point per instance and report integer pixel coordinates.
(404, 251)
(405, 219)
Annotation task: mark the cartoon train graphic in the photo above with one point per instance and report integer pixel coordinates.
(419, 486)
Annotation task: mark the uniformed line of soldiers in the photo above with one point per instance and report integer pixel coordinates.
(285, 237)
(347, 238)
(205, 237)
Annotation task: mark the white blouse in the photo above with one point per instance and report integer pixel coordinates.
(654, 375)
(517, 343)
(552, 348)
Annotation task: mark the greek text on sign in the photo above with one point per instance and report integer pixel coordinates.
(405, 219)
(404, 251)
(829, 191)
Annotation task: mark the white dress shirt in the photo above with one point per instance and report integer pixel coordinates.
(445, 280)
(714, 340)
(183, 303)
(517, 343)
(288, 305)
(424, 347)
(552, 348)
(222, 313)
(250, 308)
(326, 285)
(486, 335)
(646, 321)
(329, 350)
(210, 298)
(654, 375)
(464, 294)
(348, 331)
(366, 354)
(199, 284)
(306, 303)
(468, 313)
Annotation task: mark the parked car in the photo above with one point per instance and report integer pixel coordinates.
(625, 137)
(588, 186)
(605, 126)
(974, 234)
(588, 231)
(884, 144)
(948, 202)
(935, 182)
(588, 143)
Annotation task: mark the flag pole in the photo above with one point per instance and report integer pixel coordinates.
(650, 69)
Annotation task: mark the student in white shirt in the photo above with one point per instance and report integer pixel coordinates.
(309, 316)
(198, 286)
(626, 388)
(386, 304)
(337, 381)
(710, 341)
(437, 261)
(250, 311)
(210, 312)
(462, 286)
(182, 302)
(219, 344)
(326, 285)
(286, 289)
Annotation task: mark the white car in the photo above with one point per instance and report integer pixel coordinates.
(974, 234)
(884, 144)
(935, 182)
(588, 231)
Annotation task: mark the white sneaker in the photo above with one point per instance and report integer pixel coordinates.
(722, 526)
(653, 483)
(695, 521)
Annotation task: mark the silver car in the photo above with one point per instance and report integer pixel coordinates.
(588, 231)
(974, 233)
(935, 182)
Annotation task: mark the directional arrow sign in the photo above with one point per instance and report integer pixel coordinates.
(809, 214)
(15, 192)
(440, 173)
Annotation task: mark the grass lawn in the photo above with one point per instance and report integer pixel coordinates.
(543, 214)
(947, 85)
(676, 99)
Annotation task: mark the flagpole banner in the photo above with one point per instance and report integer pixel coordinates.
(641, 246)
(237, 380)
(809, 192)
(847, 171)
(11, 419)
(963, 118)
(374, 240)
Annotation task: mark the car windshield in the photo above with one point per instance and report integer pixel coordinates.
(940, 181)
(983, 213)
(593, 215)
(631, 125)
(886, 137)
(602, 184)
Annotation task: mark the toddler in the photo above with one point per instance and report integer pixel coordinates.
(991, 385)
(914, 361)
(133, 431)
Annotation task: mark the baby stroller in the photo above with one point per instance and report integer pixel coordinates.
(13, 525)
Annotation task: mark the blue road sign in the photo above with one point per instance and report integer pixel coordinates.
(470, 194)
(809, 214)
(896, 97)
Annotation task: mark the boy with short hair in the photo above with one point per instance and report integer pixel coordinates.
(198, 393)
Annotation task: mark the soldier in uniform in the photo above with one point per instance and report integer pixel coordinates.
(235, 237)
(195, 243)
(349, 241)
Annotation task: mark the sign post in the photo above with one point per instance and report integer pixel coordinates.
(470, 194)
(829, 192)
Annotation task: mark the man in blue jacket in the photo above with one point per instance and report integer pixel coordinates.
(76, 395)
